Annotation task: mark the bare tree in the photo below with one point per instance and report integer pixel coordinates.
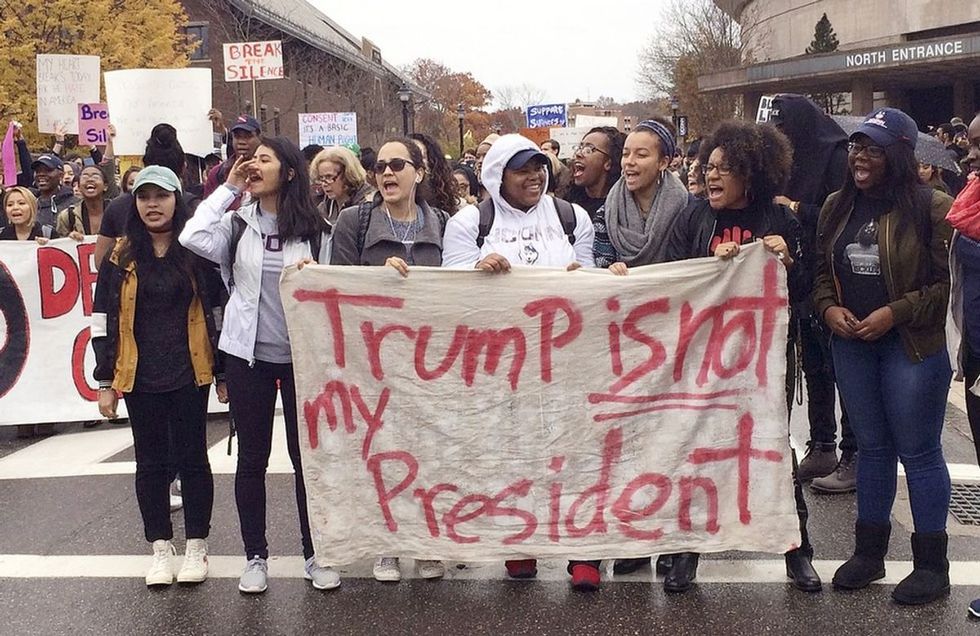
(695, 37)
(518, 96)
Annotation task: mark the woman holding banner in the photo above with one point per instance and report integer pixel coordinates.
(153, 298)
(276, 226)
(744, 166)
(397, 229)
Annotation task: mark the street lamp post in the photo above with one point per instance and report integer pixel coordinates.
(404, 95)
(461, 113)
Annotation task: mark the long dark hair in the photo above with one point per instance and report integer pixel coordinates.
(437, 187)
(899, 188)
(417, 159)
(297, 217)
(139, 245)
(571, 192)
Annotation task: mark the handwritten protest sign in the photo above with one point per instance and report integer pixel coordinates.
(93, 124)
(547, 116)
(462, 415)
(247, 61)
(567, 139)
(139, 99)
(327, 129)
(46, 361)
(64, 82)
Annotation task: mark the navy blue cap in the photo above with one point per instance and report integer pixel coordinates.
(520, 159)
(889, 125)
(246, 122)
(49, 160)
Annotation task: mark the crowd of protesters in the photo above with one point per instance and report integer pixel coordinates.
(883, 272)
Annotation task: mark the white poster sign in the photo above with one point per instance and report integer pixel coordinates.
(327, 129)
(593, 121)
(139, 99)
(567, 139)
(247, 61)
(551, 414)
(64, 82)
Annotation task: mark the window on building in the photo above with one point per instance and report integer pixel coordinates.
(197, 33)
(376, 56)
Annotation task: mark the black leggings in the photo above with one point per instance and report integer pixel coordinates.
(252, 393)
(971, 371)
(170, 434)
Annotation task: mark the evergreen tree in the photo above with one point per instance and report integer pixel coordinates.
(824, 38)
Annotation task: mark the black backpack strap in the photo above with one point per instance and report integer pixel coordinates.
(237, 229)
(566, 214)
(487, 213)
(363, 221)
(315, 243)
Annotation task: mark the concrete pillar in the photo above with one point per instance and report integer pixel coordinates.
(750, 104)
(862, 97)
(964, 99)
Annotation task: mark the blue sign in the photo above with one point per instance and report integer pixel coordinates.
(547, 116)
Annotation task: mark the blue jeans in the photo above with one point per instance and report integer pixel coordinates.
(896, 407)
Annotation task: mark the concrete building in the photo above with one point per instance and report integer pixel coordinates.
(327, 69)
(919, 55)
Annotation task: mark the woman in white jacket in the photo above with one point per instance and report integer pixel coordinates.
(277, 225)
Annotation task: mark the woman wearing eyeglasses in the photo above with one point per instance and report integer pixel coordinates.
(744, 166)
(339, 175)
(882, 285)
(596, 166)
(397, 229)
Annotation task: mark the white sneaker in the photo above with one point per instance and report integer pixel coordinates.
(386, 569)
(255, 578)
(176, 498)
(161, 570)
(429, 569)
(195, 567)
(323, 578)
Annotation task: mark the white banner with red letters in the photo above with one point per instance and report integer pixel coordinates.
(469, 416)
(46, 359)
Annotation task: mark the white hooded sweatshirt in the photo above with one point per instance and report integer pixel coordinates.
(532, 238)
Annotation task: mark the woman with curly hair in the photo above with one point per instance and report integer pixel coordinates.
(596, 166)
(745, 165)
(438, 185)
(339, 174)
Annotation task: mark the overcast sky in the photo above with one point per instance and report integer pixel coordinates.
(589, 48)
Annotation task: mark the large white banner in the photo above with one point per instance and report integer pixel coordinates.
(64, 82)
(139, 99)
(46, 359)
(471, 416)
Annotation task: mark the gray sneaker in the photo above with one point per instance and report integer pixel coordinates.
(255, 577)
(842, 480)
(323, 578)
(817, 463)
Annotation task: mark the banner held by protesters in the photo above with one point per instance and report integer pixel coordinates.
(552, 414)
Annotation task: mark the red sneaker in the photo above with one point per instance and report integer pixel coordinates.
(585, 577)
(522, 569)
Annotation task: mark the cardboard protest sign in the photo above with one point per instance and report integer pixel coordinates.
(93, 124)
(46, 361)
(64, 82)
(327, 129)
(461, 415)
(247, 61)
(567, 139)
(139, 99)
(547, 116)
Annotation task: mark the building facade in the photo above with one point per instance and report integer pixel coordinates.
(327, 69)
(922, 56)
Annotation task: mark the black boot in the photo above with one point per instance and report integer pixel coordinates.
(628, 566)
(868, 562)
(800, 569)
(930, 574)
(682, 573)
(664, 563)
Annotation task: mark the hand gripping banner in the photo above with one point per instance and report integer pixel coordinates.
(467, 416)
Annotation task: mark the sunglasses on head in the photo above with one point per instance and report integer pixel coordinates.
(396, 165)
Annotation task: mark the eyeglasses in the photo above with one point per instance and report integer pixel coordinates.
(327, 179)
(396, 165)
(587, 149)
(723, 169)
(875, 152)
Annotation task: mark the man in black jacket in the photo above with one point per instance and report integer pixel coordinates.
(52, 196)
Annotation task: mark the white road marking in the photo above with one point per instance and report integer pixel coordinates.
(710, 571)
